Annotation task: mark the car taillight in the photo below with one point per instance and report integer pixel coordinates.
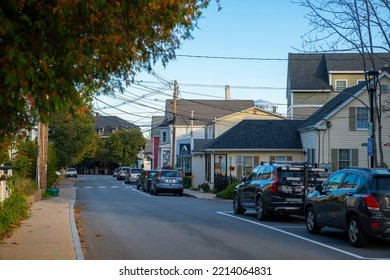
(274, 186)
(371, 203)
(158, 179)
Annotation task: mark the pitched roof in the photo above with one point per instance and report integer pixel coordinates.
(335, 103)
(311, 71)
(204, 110)
(260, 135)
(112, 121)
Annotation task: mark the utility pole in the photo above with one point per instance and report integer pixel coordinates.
(42, 155)
(173, 154)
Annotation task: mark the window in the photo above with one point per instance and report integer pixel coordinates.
(344, 158)
(247, 164)
(164, 137)
(340, 85)
(351, 181)
(333, 182)
(361, 118)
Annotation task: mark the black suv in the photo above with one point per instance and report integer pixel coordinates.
(356, 200)
(276, 189)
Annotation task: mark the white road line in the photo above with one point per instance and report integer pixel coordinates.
(102, 187)
(114, 187)
(296, 236)
(88, 187)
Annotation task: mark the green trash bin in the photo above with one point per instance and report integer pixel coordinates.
(52, 191)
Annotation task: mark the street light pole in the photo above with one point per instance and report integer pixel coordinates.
(371, 83)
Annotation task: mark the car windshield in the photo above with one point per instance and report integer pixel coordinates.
(71, 169)
(381, 183)
(125, 169)
(135, 170)
(169, 173)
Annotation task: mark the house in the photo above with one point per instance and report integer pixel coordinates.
(247, 144)
(191, 117)
(314, 79)
(337, 134)
(106, 125)
(213, 129)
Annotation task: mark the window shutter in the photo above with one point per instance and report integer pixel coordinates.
(352, 119)
(289, 158)
(355, 157)
(256, 161)
(335, 159)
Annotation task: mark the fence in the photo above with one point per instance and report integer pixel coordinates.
(222, 181)
(5, 172)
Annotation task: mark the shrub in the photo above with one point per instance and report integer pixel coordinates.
(205, 187)
(187, 182)
(228, 192)
(13, 210)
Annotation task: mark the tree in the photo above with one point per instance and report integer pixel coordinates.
(361, 26)
(123, 146)
(348, 25)
(57, 52)
(74, 136)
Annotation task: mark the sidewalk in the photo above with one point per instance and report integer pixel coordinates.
(50, 233)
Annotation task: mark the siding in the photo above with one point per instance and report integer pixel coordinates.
(224, 124)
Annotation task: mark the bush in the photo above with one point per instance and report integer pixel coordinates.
(228, 192)
(15, 208)
(205, 187)
(187, 182)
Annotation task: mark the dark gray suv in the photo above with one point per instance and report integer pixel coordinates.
(276, 189)
(356, 200)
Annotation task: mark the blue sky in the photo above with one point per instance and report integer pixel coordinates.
(261, 29)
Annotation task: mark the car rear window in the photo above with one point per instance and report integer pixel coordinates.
(170, 173)
(135, 170)
(381, 183)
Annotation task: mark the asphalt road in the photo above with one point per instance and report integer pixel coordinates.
(120, 222)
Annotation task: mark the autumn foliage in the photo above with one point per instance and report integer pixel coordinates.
(56, 52)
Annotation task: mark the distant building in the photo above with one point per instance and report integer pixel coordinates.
(106, 125)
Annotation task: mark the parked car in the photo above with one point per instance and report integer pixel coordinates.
(355, 200)
(143, 181)
(115, 173)
(167, 181)
(122, 171)
(132, 175)
(71, 172)
(276, 189)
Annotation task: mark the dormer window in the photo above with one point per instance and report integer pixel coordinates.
(340, 85)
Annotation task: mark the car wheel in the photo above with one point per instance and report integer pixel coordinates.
(260, 209)
(180, 193)
(311, 222)
(155, 192)
(237, 205)
(355, 233)
(143, 188)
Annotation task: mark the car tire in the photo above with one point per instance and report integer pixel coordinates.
(356, 236)
(237, 208)
(260, 209)
(311, 222)
(180, 193)
(155, 192)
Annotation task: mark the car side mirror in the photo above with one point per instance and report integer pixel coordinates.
(244, 179)
(318, 188)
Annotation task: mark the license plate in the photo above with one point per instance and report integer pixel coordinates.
(170, 180)
(293, 199)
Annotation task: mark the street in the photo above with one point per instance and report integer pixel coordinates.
(120, 222)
